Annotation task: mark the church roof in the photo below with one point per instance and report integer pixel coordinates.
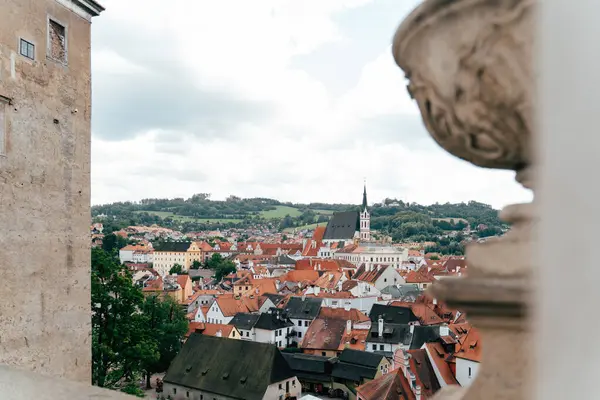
(343, 225)
(364, 203)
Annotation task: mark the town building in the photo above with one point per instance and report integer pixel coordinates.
(302, 311)
(209, 367)
(371, 254)
(347, 227)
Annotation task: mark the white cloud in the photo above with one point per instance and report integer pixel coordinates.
(310, 149)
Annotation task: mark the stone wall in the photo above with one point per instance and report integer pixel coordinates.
(45, 192)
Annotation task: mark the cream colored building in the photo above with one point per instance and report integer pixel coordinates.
(372, 254)
(167, 254)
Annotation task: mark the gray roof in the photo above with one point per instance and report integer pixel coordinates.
(310, 368)
(356, 365)
(392, 314)
(303, 309)
(343, 225)
(172, 246)
(405, 291)
(272, 320)
(231, 368)
(244, 320)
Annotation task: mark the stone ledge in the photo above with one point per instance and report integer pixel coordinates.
(18, 385)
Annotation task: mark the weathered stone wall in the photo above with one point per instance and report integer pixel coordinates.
(45, 194)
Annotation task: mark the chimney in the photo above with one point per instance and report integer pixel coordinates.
(417, 392)
(380, 326)
(378, 267)
(348, 327)
(317, 290)
(347, 306)
(219, 333)
(412, 328)
(434, 301)
(428, 269)
(444, 330)
(303, 296)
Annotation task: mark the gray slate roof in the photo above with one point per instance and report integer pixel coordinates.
(172, 246)
(303, 309)
(343, 225)
(244, 321)
(392, 314)
(356, 365)
(232, 368)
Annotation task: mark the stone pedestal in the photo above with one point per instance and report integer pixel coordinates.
(469, 68)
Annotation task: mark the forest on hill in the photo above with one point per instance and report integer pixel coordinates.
(403, 221)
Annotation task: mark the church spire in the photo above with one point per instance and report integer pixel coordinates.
(364, 203)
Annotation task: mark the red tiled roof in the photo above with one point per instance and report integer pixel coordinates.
(299, 276)
(391, 386)
(353, 314)
(471, 346)
(318, 233)
(438, 356)
(355, 339)
(324, 334)
(322, 264)
(370, 275)
(417, 277)
(329, 280)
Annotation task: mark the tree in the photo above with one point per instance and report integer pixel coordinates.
(196, 264)
(118, 339)
(166, 324)
(220, 266)
(131, 335)
(176, 269)
(111, 242)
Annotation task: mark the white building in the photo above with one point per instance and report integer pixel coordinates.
(371, 254)
(302, 311)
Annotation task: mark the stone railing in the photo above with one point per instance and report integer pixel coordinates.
(16, 384)
(469, 67)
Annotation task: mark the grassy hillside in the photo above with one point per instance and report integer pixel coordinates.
(280, 212)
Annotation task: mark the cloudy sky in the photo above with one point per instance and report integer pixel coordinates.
(287, 99)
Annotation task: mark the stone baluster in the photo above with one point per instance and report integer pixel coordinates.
(469, 67)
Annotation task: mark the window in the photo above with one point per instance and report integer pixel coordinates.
(247, 334)
(381, 347)
(174, 390)
(469, 372)
(187, 394)
(374, 347)
(233, 333)
(299, 323)
(280, 386)
(323, 353)
(299, 335)
(57, 41)
(385, 279)
(305, 323)
(27, 49)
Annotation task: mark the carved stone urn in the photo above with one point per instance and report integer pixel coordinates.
(470, 70)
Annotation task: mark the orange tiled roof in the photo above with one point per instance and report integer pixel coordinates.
(439, 357)
(318, 233)
(391, 386)
(471, 346)
(329, 280)
(299, 276)
(324, 334)
(324, 264)
(212, 329)
(417, 277)
(353, 314)
(355, 339)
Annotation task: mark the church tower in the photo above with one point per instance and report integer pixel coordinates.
(365, 219)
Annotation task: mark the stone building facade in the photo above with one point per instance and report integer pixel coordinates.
(45, 114)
